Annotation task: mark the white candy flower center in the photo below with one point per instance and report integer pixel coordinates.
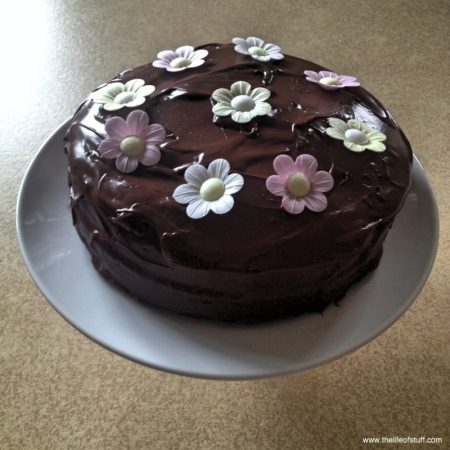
(180, 62)
(242, 103)
(356, 137)
(124, 97)
(257, 51)
(212, 189)
(298, 184)
(132, 146)
(330, 81)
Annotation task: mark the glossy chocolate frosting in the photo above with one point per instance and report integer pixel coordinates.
(256, 262)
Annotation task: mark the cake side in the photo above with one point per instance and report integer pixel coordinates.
(257, 261)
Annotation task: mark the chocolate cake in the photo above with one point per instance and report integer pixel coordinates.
(234, 182)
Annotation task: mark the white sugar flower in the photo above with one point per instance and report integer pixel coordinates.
(357, 136)
(182, 58)
(208, 189)
(116, 95)
(241, 102)
(257, 49)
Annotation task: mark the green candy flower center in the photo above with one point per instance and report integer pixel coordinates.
(330, 81)
(356, 137)
(298, 184)
(242, 103)
(180, 62)
(124, 97)
(132, 146)
(212, 189)
(257, 51)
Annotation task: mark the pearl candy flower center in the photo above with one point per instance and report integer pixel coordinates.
(330, 81)
(212, 189)
(180, 62)
(132, 146)
(298, 184)
(242, 103)
(257, 51)
(356, 137)
(124, 97)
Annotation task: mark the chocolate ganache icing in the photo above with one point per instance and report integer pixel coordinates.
(256, 262)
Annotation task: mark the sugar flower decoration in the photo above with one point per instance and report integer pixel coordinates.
(116, 95)
(357, 136)
(330, 80)
(257, 49)
(241, 102)
(299, 183)
(132, 141)
(182, 58)
(208, 189)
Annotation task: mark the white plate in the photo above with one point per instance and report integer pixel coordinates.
(61, 267)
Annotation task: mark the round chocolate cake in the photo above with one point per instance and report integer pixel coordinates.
(233, 182)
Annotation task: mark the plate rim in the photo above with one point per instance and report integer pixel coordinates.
(377, 331)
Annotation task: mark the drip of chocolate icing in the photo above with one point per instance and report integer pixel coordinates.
(257, 261)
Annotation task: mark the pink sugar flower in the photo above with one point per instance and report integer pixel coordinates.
(330, 80)
(299, 183)
(132, 141)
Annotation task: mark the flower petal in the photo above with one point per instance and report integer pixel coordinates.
(109, 148)
(315, 201)
(242, 116)
(356, 124)
(354, 147)
(311, 75)
(146, 90)
(293, 205)
(185, 193)
(260, 94)
(199, 54)
(306, 164)
(376, 146)
(186, 51)
(240, 88)
(240, 42)
(321, 182)
(219, 168)
(176, 69)
(241, 49)
(222, 95)
(263, 58)
(276, 185)
(335, 133)
(138, 100)
(222, 205)
(261, 109)
(196, 63)
(166, 55)
(196, 175)
(134, 85)
(161, 64)
(117, 128)
(222, 110)
(150, 156)
(233, 183)
(113, 106)
(155, 133)
(255, 41)
(338, 124)
(137, 122)
(126, 164)
(376, 135)
(198, 208)
(108, 92)
(276, 56)
(284, 165)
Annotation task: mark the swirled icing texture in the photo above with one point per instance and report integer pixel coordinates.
(257, 262)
